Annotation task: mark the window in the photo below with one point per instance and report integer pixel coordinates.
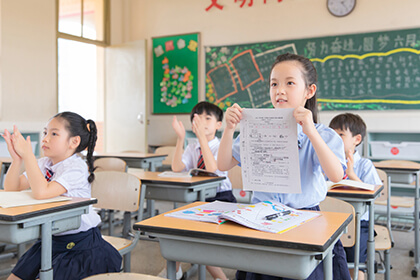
(81, 38)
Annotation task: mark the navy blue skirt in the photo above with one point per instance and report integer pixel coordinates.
(364, 236)
(340, 268)
(226, 196)
(74, 256)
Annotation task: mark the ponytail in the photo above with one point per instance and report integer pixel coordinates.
(93, 136)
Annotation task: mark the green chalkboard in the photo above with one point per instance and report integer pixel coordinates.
(368, 71)
(175, 73)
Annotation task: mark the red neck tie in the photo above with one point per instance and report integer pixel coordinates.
(48, 175)
(200, 162)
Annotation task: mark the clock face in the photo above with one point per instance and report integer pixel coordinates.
(341, 8)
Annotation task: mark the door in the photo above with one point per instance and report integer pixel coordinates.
(125, 97)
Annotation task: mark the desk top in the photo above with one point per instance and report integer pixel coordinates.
(25, 212)
(5, 159)
(152, 177)
(327, 227)
(129, 155)
(398, 165)
(355, 193)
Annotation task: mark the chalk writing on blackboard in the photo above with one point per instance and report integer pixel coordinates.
(368, 71)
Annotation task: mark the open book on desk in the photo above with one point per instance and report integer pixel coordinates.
(350, 184)
(24, 198)
(192, 172)
(281, 218)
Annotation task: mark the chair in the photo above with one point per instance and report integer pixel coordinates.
(235, 177)
(330, 204)
(114, 164)
(119, 191)
(123, 276)
(383, 240)
(110, 163)
(169, 151)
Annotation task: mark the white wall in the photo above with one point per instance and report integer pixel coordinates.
(28, 63)
(270, 22)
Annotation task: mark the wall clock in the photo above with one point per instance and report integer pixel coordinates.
(341, 8)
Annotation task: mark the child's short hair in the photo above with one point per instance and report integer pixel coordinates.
(209, 108)
(354, 123)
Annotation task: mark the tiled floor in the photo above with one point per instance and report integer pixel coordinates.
(146, 256)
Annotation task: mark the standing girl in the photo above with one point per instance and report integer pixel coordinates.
(293, 85)
(78, 253)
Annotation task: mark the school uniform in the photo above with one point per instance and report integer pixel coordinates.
(79, 253)
(366, 172)
(191, 159)
(314, 190)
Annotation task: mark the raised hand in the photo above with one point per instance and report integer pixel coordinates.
(179, 128)
(21, 145)
(304, 117)
(8, 138)
(233, 116)
(198, 127)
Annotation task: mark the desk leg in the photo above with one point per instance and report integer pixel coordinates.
(371, 243)
(171, 270)
(46, 271)
(328, 267)
(357, 246)
(141, 203)
(201, 272)
(416, 228)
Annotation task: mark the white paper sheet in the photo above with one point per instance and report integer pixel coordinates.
(23, 198)
(269, 151)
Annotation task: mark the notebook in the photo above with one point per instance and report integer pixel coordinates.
(23, 198)
(249, 215)
(350, 184)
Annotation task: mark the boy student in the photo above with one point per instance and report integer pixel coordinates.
(352, 130)
(206, 119)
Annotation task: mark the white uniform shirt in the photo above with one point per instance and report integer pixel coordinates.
(366, 172)
(190, 159)
(72, 173)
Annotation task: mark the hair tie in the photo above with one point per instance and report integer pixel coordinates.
(88, 127)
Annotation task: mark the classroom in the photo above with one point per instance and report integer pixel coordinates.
(124, 109)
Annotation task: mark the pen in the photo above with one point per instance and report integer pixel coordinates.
(279, 214)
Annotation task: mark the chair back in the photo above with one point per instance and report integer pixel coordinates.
(116, 190)
(384, 193)
(331, 204)
(166, 150)
(110, 164)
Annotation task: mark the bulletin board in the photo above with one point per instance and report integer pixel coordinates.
(175, 73)
(367, 71)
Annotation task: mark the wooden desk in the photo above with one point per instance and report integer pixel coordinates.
(5, 163)
(148, 162)
(403, 167)
(26, 223)
(361, 201)
(293, 254)
(184, 190)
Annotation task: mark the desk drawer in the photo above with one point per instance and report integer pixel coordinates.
(15, 233)
(178, 194)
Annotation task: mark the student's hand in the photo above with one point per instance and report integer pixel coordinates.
(179, 128)
(21, 145)
(303, 117)
(198, 127)
(233, 116)
(8, 138)
(350, 163)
